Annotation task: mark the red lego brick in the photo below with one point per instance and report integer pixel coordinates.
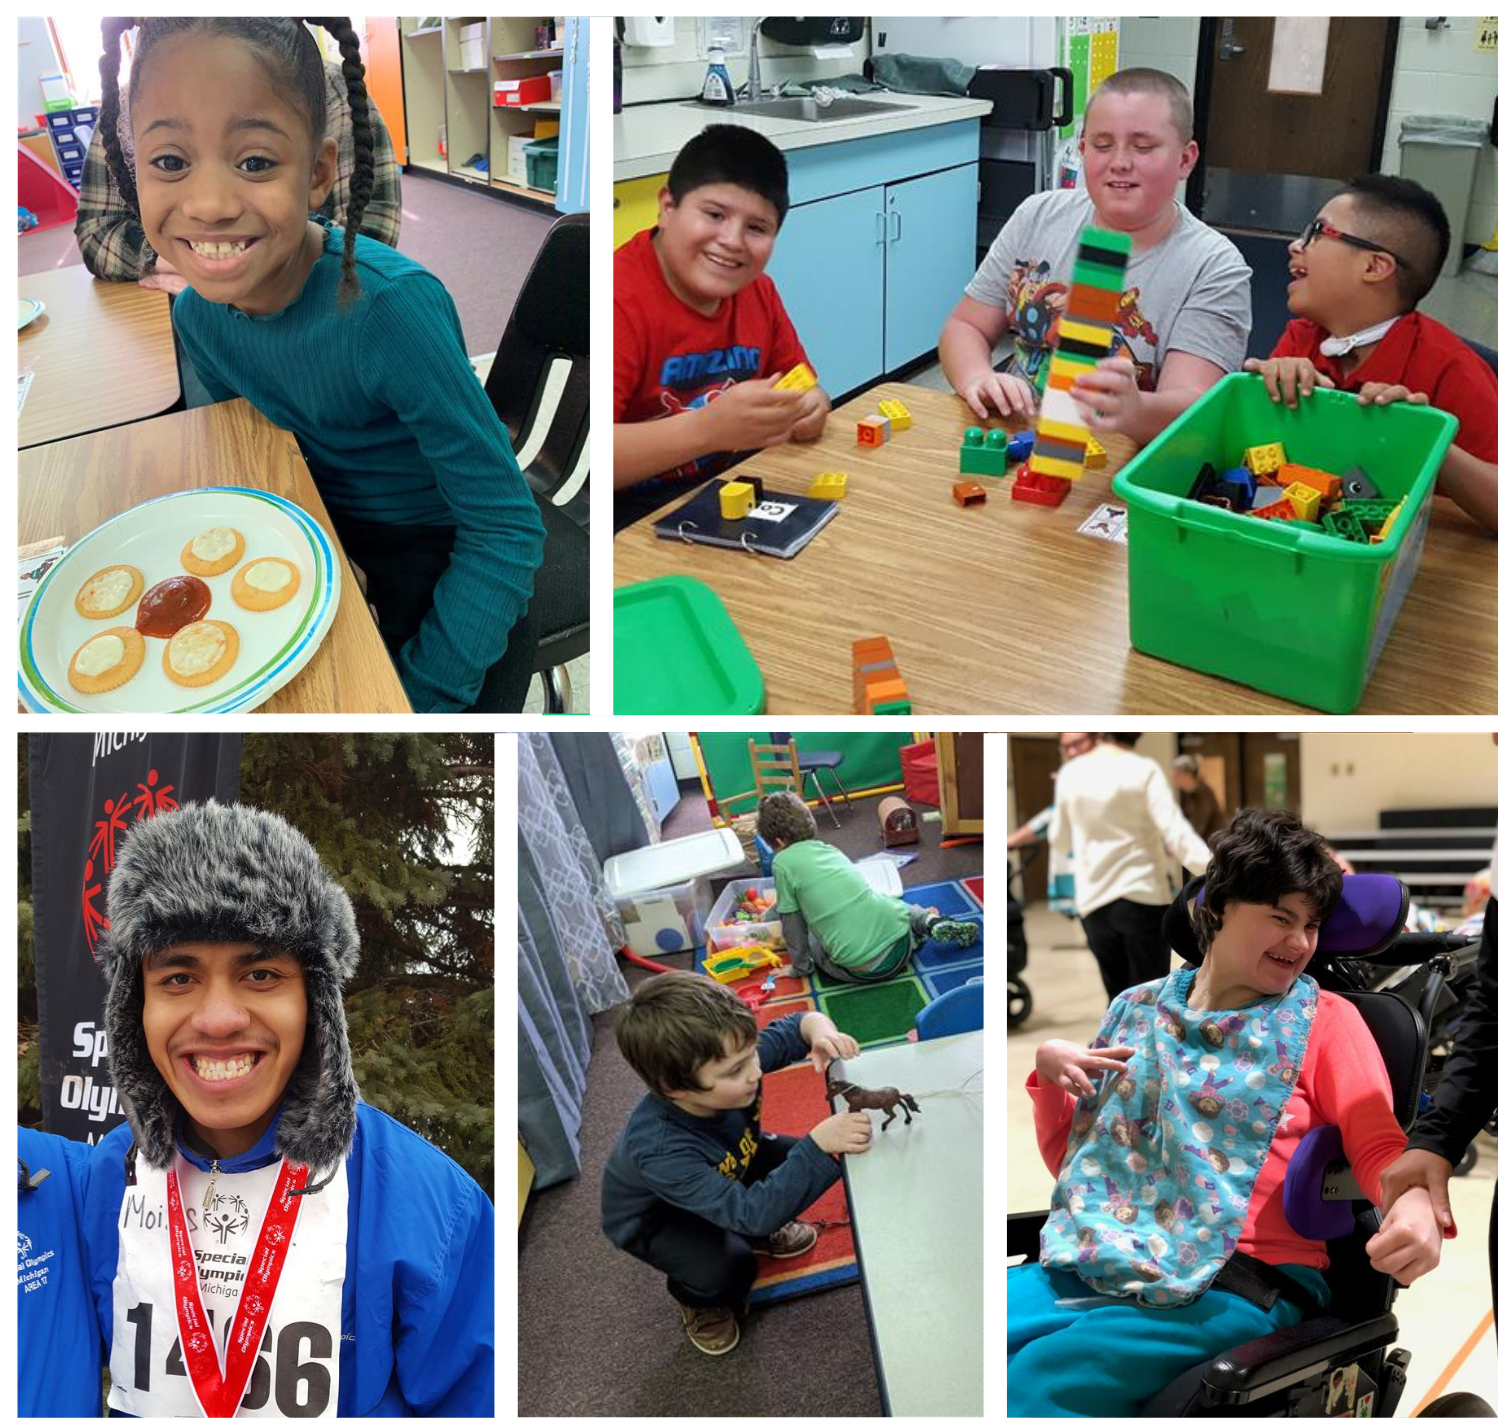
(1039, 489)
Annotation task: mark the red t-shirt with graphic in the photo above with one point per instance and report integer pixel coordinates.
(669, 358)
(1428, 358)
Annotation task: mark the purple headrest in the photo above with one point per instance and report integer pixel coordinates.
(1307, 1214)
(1369, 917)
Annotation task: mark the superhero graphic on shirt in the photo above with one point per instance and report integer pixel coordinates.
(1036, 305)
(681, 389)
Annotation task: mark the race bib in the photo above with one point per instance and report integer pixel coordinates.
(296, 1374)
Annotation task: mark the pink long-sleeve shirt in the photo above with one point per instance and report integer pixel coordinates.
(1343, 1082)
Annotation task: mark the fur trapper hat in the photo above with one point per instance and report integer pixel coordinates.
(221, 875)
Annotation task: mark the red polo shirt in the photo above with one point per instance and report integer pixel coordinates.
(1428, 358)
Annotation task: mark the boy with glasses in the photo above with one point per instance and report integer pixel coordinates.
(1357, 273)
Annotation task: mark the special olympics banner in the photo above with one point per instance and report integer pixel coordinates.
(87, 790)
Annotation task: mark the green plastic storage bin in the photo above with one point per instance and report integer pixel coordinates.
(1283, 608)
(676, 649)
(541, 164)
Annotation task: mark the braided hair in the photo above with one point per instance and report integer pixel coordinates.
(284, 44)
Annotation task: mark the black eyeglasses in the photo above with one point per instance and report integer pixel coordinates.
(1318, 227)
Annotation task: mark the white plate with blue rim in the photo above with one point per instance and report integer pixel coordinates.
(27, 311)
(273, 646)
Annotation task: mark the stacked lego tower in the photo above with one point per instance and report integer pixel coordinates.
(878, 687)
(1085, 338)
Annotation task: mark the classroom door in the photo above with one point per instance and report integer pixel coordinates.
(1271, 770)
(1294, 107)
(1033, 763)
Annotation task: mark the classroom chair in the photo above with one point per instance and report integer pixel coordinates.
(959, 1010)
(776, 765)
(538, 384)
(814, 762)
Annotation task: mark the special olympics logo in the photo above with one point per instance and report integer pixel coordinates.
(23, 1245)
(184, 1270)
(254, 1304)
(275, 1236)
(197, 1342)
(229, 1217)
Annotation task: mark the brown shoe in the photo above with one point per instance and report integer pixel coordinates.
(795, 1238)
(713, 1331)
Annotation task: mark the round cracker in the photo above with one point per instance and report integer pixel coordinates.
(137, 586)
(120, 673)
(209, 674)
(207, 568)
(258, 600)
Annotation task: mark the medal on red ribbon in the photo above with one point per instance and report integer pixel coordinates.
(220, 1391)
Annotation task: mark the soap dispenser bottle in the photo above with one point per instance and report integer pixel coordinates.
(717, 87)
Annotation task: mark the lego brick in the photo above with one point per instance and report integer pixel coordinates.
(983, 453)
(1239, 485)
(873, 430)
(1369, 511)
(1280, 509)
(1329, 486)
(756, 484)
(895, 412)
(1032, 487)
(966, 492)
(798, 378)
(830, 484)
(1093, 274)
(891, 688)
(1358, 485)
(1092, 304)
(1265, 495)
(1108, 246)
(1021, 445)
(1096, 456)
(735, 499)
(893, 709)
(1387, 527)
(1059, 405)
(1052, 468)
(1344, 525)
(1206, 477)
(1306, 501)
(1264, 459)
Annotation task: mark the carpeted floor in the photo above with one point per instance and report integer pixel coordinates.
(480, 247)
(598, 1333)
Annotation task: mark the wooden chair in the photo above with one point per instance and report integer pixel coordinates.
(777, 767)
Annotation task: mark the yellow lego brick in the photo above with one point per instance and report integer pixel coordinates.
(1096, 456)
(1089, 334)
(830, 484)
(798, 378)
(1264, 459)
(1044, 465)
(1388, 525)
(1305, 501)
(735, 499)
(1049, 427)
(1068, 370)
(894, 411)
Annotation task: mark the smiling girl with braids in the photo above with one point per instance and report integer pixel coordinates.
(352, 347)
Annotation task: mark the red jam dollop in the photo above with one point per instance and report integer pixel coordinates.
(171, 605)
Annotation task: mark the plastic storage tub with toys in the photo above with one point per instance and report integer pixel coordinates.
(1285, 607)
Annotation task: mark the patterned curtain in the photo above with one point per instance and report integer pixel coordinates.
(568, 932)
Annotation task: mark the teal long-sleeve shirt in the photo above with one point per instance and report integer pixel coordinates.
(396, 429)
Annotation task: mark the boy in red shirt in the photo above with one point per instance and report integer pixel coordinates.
(700, 334)
(1357, 274)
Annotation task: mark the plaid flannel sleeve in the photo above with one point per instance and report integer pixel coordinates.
(382, 213)
(109, 235)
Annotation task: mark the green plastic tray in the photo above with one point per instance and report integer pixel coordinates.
(1286, 609)
(677, 650)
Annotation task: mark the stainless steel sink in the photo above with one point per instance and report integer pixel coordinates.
(805, 111)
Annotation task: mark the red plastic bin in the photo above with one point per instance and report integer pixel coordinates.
(52, 200)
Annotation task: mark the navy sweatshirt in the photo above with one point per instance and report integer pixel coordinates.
(665, 1156)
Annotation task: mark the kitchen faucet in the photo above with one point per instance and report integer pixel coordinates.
(754, 88)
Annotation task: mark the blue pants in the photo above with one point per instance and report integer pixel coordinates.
(1105, 1357)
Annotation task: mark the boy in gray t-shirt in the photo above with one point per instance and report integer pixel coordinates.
(1184, 320)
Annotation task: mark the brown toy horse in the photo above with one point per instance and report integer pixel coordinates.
(863, 1099)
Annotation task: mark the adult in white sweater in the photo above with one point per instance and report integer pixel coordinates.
(1116, 814)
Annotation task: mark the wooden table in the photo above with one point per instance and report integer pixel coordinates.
(101, 354)
(1005, 608)
(71, 486)
(916, 1202)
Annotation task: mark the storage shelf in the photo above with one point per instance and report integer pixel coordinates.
(530, 54)
(546, 106)
(502, 180)
(477, 174)
(483, 69)
(437, 165)
(430, 30)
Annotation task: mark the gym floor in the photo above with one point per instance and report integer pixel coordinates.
(1445, 1318)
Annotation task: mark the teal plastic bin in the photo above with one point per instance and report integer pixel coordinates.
(1284, 608)
(541, 164)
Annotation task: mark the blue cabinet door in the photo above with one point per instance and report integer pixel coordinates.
(932, 226)
(829, 268)
(573, 147)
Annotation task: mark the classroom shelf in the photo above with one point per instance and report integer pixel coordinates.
(453, 103)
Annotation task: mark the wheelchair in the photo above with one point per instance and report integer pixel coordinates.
(1021, 1000)
(1290, 1373)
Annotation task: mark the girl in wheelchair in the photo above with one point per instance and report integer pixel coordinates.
(1167, 1240)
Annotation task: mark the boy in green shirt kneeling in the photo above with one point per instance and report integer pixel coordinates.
(832, 919)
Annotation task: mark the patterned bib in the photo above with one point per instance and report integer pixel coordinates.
(1155, 1185)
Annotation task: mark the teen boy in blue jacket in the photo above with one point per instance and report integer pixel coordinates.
(368, 1255)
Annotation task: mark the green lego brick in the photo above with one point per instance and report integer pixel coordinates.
(1348, 526)
(892, 709)
(1370, 511)
(984, 454)
(1089, 274)
(1113, 241)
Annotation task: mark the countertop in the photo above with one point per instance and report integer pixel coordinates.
(648, 137)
